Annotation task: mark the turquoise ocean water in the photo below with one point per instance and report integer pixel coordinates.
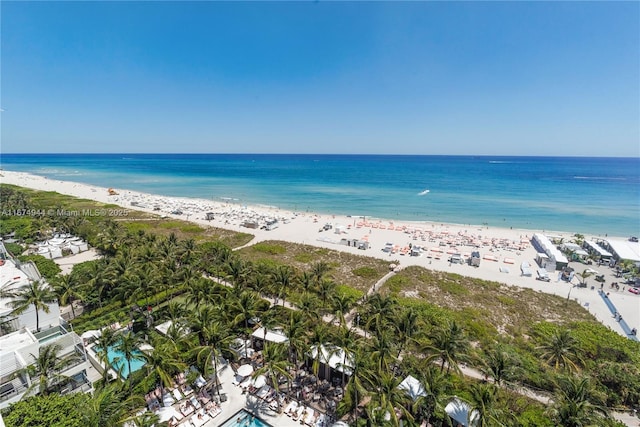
(580, 195)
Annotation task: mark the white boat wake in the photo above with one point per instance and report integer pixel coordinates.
(423, 193)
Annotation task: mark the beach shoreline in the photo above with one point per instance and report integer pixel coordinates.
(506, 247)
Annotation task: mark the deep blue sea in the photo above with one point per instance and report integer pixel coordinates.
(574, 194)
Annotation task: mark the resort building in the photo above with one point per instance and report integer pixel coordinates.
(555, 258)
(622, 250)
(597, 250)
(23, 336)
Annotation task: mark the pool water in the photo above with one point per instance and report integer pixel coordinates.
(245, 420)
(118, 362)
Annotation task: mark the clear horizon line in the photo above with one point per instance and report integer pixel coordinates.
(320, 154)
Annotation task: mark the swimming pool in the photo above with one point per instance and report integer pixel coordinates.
(246, 419)
(118, 361)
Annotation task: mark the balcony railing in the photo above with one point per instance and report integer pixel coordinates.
(11, 389)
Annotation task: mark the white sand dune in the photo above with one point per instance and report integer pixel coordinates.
(509, 247)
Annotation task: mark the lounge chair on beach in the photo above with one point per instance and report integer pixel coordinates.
(177, 395)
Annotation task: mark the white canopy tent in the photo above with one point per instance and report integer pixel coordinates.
(334, 357)
(271, 336)
(413, 387)
(459, 412)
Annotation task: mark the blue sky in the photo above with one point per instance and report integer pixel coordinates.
(510, 78)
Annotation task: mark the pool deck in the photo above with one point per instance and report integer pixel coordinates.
(237, 401)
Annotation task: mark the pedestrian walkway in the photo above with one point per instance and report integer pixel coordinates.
(620, 320)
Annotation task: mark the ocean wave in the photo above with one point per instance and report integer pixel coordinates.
(601, 178)
(424, 192)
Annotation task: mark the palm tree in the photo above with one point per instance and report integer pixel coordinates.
(319, 341)
(67, 291)
(382, 350)
(128, 344)
(389, 397)
(282, 278)
(146, 419)
(46, 366)
(449, 344)
(107, 407)
(275, 366)
(484, 405)
(407, 328)
(326, 289)
(297, 332)
(163, 362)
(340, 305)
(359, 378)
(306, 280)
(584, 276)
(347, 340)
(319, 269)
(36, 293)
(217, 338)
(561, 351)
(437, 387)
(246, 308)
(381, 312)
(309, 305)
(498, 363)
(107, 339)
(576, 404)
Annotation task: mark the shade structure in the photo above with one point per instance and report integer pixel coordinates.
(413, 387)
(91, 334)
(245, 370)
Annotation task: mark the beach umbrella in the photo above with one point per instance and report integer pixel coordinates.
(245, 370)
(259, 381)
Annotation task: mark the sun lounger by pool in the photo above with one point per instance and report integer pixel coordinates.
(291, 408)
(310, 417)
(177, 395)
(195, 402)
(298, 412)
(322, 420)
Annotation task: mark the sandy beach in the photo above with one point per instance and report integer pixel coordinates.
(502, 250)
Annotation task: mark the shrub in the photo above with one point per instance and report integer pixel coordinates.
(47, 267)
(365, 272)
(14, 248)
(271, 249)
(304, 258)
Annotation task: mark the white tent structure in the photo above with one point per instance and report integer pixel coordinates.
(275, 336)
(413, 387)
(458, 411)
(333, 357)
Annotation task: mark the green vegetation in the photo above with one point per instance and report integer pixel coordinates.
(47, 267)
(424, 323)
(51, 410)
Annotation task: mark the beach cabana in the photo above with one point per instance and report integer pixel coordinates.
(331, 358)
(276, 336)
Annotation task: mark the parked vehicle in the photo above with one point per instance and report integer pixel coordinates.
(541, 274)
